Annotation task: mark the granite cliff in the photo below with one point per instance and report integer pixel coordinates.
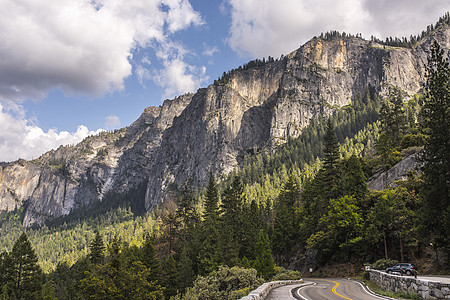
(210, 131)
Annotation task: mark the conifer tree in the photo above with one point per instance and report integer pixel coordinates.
(286, 219)
(353, 181)
(26, 273)
(97, 249)
(231, 220)
(208, 256)
(6, 273)
(149, 259)
(435, 115)
(169, 277)
(264, 263)
(330, 161)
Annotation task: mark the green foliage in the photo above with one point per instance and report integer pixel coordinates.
(264, 263)
(435, 113)
(21, 275)
(97, 249)
(224, 284)
(383, 263)
(285, 274)
(286, 219)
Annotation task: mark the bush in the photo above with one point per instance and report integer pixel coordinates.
(285, 274)
(382, 264)
(225, 283)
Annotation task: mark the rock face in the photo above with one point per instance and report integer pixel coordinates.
(383, 180)
(210, 131)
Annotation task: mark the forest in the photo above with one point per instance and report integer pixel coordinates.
(308, 201)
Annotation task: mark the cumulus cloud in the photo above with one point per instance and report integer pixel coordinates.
(20, 138)
(272, 27)
(80, 46)
(112, 122)
(177, 76)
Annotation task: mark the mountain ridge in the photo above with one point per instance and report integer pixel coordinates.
(192, 135)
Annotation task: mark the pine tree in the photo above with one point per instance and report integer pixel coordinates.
(330, 161)
(353, 181)
(208, 257)
(149, 259)
(286, 219)
(264, 263)
(169, 277)
(231, 220)
(435, 116)
(26, 273)
(97, 249)
(6, 274)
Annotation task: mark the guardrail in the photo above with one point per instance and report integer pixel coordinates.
(263, 290)
(425, 288)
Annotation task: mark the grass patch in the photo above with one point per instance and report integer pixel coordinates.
(398, 295)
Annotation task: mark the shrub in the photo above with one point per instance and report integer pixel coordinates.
(382, 264)
(225, 283)
(285, 274)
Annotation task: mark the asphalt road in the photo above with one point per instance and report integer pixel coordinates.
(333, 289)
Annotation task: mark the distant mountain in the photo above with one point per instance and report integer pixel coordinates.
(249, 109)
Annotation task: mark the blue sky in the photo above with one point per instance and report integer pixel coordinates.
(70, 68)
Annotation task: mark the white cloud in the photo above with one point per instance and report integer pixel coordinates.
(177, 77)
(112, 122)
(80, 46)
(272, 27)
(209, 50)
(20, 138)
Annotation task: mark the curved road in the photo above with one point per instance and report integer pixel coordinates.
(325, 289)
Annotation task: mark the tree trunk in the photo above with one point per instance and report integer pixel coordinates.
(385, 246)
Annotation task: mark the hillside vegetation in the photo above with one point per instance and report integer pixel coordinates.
(305, 204)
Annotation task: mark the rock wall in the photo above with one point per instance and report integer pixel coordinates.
(263, 290)
(424, 288)
(186, 138)
(382, 180)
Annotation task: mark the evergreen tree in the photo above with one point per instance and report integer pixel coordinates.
(231, 220)
(186, 274)
(26, 273)
(169, 277)
(353, 180)
(286, 219)
(393, 127)
(435, 116)
(264, 263)
(186, 213)
(148, 258)
(6, 274)
(97, 249)
(208, 257)
(331, 159)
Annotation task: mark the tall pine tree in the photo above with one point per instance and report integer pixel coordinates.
(97, 249)
(435, 115)
(208, 256)
(26, 273)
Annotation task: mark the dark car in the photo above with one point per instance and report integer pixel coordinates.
(403, 268)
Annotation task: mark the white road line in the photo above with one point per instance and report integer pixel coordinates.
(305, 285)
(369, 292)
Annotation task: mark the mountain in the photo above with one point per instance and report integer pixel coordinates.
(250, 109)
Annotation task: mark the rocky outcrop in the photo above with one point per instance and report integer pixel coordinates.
(185, 139)
(384, 179)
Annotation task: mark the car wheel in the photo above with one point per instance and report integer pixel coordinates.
(388, 271)
(408, 273)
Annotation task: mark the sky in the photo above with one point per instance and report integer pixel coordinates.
(72, 68)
